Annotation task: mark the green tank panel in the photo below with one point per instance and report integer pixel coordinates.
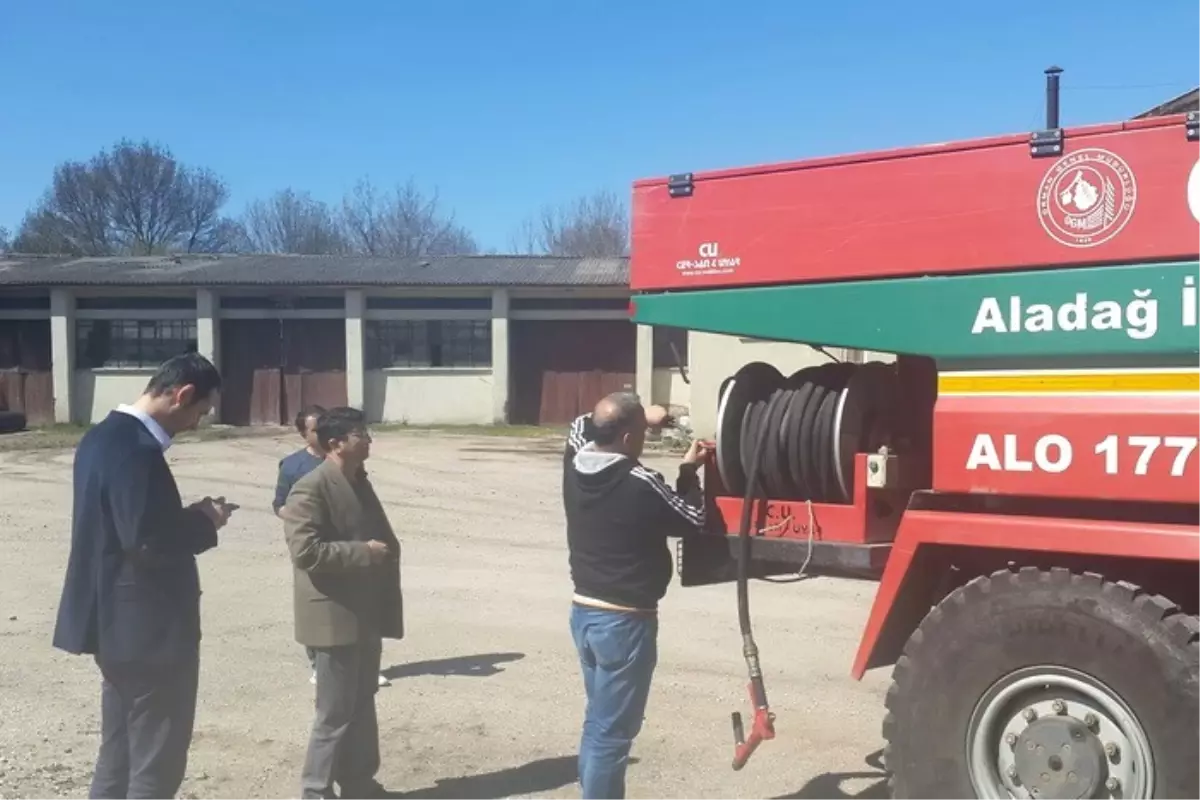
(1103, 313)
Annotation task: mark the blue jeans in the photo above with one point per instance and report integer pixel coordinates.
(618, 651)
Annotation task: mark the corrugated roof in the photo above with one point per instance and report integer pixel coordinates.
(1180, 104)
(289, 270)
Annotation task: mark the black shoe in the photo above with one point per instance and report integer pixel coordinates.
(366, 791)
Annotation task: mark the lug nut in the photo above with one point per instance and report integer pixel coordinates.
(1010, 739)
(1112, 784)
(1091, 720)
(1012, 772)
(1112, 751)
(1059, 707)
(1029, 714)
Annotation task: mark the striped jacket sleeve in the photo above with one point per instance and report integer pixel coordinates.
(681, 510)
(578, 435)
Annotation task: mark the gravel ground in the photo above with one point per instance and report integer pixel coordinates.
(486, 697)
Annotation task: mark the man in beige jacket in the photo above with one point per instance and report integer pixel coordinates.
(347, 600)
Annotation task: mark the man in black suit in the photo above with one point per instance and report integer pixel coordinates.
(131, 597)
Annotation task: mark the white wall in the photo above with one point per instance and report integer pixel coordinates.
(94, 393)
(714, 357)
(429, 396)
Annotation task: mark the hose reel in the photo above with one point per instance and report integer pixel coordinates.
(791, 438)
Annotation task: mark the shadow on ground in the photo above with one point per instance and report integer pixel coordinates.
(543, 775)
(477, 666)
(829, 784)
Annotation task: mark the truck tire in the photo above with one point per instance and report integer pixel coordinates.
(1067, 684)
(11, 421)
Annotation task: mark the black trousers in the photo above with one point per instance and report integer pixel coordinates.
(343, 746)
(147, 716)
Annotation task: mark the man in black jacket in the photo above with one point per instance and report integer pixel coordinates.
(131, 596)
(619, 516)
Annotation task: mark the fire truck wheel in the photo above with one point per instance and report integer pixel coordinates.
(1044, 683)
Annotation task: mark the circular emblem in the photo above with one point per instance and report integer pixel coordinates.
(1194, 191)
(1086, 198)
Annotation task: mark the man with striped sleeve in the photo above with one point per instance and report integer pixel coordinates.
(619, 516)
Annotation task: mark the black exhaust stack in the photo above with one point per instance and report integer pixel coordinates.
(1049, 142)
(1052, 74)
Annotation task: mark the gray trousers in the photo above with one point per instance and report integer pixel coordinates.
(147, 716)
(344, 743)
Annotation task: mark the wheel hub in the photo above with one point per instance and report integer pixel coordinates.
(1051, 732)
(1060, 759)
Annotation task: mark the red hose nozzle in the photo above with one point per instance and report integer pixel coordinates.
(762, 729)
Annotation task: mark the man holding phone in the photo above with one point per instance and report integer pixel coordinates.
(131, 597)
(346, 563)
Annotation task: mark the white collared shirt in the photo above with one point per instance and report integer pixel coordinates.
(151, 425)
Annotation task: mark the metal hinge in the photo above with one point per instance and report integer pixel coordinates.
(1192, 125)
(680, 185)
(1046, 143)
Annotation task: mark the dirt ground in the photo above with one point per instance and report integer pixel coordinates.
(486, 699)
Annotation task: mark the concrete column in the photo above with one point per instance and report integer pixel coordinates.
(208, 328)
(499, 356)
(356, 386)
(207, 336)
(644, 375)
(62, 351)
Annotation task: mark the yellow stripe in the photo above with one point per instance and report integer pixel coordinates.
(1068, 382)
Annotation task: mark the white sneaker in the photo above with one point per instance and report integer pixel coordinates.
(383, 681)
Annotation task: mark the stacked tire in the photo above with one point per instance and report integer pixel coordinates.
(12, 421)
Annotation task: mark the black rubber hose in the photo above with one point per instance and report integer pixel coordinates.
(749, 647)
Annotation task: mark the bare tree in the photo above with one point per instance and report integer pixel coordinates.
(594, 225)
(204, 230)
(136, 199)
(150, 192)
(402, 222)
(224, 236)
(293, 222)
(5, 239)
(73, 216)
(42, 232)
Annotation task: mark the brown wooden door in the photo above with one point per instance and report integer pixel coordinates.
(251, 352)
(26, 382)
(314, 364)
(560, 369)
(273, 368)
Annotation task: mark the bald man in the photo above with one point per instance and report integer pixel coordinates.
(619, 516)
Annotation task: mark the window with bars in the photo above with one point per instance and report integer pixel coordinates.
(428, 343)
(103, 343)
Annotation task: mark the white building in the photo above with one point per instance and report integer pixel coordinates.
(437, 341)
(453, 340)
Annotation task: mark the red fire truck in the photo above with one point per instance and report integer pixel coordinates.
(1020, 473)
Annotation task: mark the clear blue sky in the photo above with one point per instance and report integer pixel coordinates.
(505, 106)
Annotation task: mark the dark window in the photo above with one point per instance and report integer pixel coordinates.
(428, 343)
(131, 343)
(141, 303)
(666, 337)
(569, 304)
(431, 303)
(25, 302)
(263, 302)
(25, 344)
